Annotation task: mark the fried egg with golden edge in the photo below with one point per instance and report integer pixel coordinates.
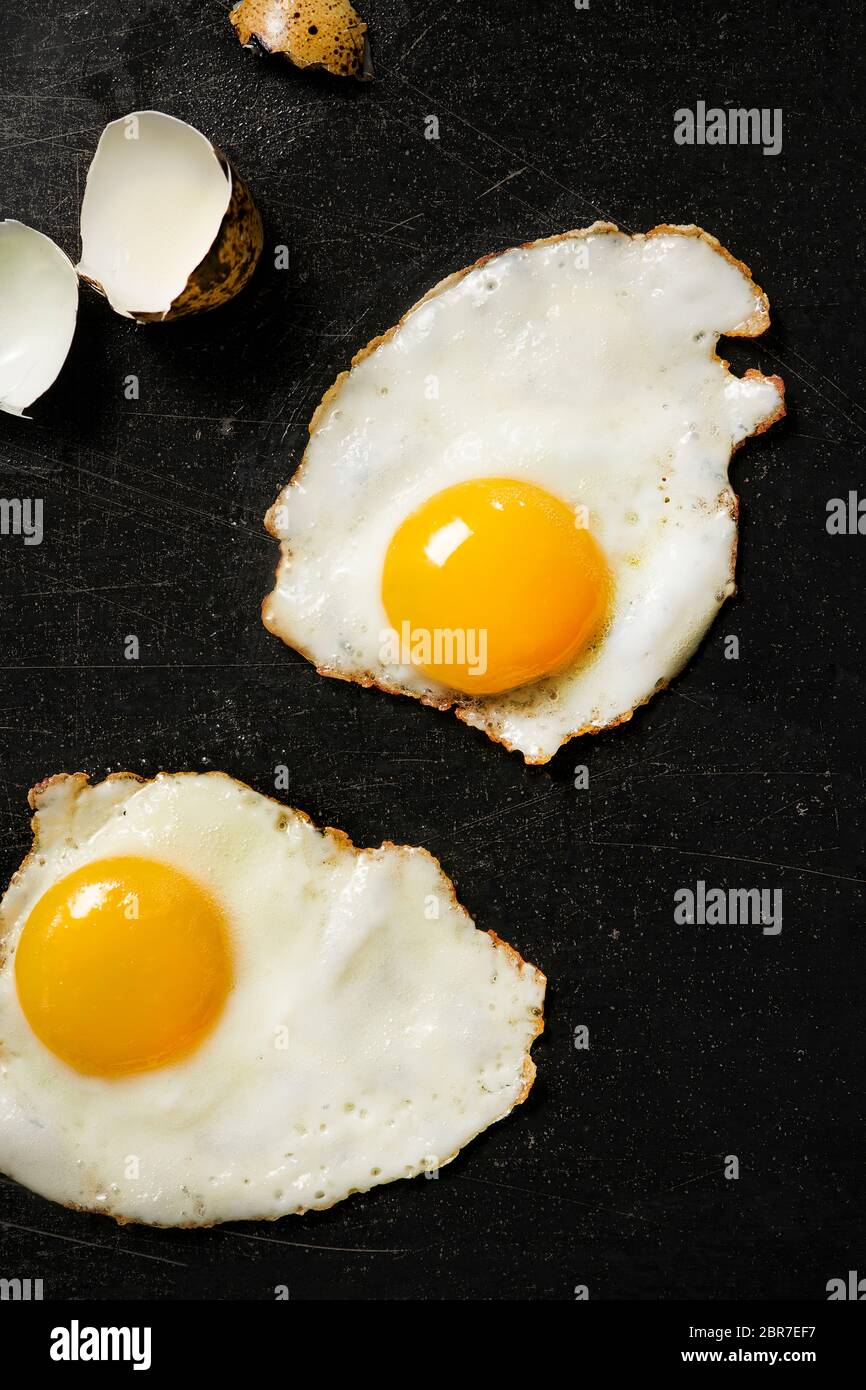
(212, 1011)
(516, 502)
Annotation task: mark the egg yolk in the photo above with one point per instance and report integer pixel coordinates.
(492, 584)
(123, 966)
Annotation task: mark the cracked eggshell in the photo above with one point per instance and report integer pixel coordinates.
(326, 34)
(167, 226)
(38, 309)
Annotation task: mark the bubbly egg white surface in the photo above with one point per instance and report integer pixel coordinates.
(585, 365)
(371, 1030)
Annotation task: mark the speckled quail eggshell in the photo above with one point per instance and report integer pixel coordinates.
(168, 228)
(325, 34)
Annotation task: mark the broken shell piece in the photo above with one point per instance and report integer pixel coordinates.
(167, 226)
(325, 34)
(38, 308)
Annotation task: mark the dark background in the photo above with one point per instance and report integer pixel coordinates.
(705, 1041)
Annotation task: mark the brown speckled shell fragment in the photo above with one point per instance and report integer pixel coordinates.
(231, 260)
(326, 34)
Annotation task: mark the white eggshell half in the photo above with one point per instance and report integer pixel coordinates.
(38, 308)
(156, 195)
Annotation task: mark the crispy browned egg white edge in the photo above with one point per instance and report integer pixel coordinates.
(752, 328)
(340, 838)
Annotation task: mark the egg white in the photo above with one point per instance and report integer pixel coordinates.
(370, 1033)
(585, 364)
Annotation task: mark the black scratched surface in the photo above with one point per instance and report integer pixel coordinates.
(705, 1041)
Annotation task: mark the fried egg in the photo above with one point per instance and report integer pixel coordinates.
(516, 502)
(210, 1010)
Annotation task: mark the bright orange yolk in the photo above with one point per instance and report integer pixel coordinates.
(492, 584)
(123, 966)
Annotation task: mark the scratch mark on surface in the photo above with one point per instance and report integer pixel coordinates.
(512, 154)
(493, 187)
(93, 1245)
(735, 858)
(434, 23)
(328, 1249)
